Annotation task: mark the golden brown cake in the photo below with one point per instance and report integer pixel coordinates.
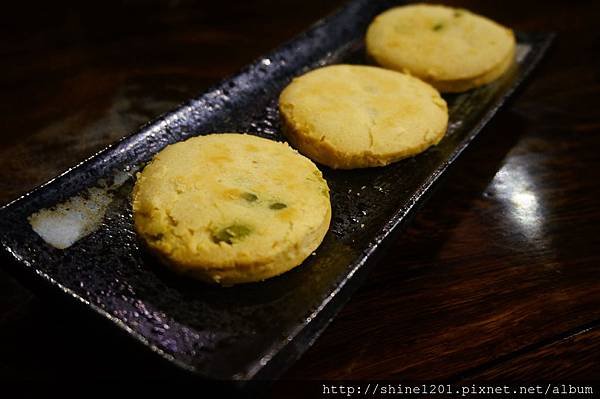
(352, 116)
(231, 208)
(452, 49)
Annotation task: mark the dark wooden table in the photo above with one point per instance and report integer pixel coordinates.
(497, 278)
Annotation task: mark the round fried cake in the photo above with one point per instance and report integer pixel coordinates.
(352, 116)
(452, 49)
(231, 208)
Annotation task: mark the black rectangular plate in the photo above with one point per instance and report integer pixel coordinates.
(255, 330)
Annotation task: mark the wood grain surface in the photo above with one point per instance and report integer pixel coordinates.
(496, 279)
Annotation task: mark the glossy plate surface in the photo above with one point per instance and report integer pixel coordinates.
(257, 330)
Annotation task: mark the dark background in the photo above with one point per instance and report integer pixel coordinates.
(498, 276)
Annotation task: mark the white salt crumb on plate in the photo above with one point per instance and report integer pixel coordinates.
(68, 222)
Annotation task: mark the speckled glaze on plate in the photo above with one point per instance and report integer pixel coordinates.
(252, 331)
